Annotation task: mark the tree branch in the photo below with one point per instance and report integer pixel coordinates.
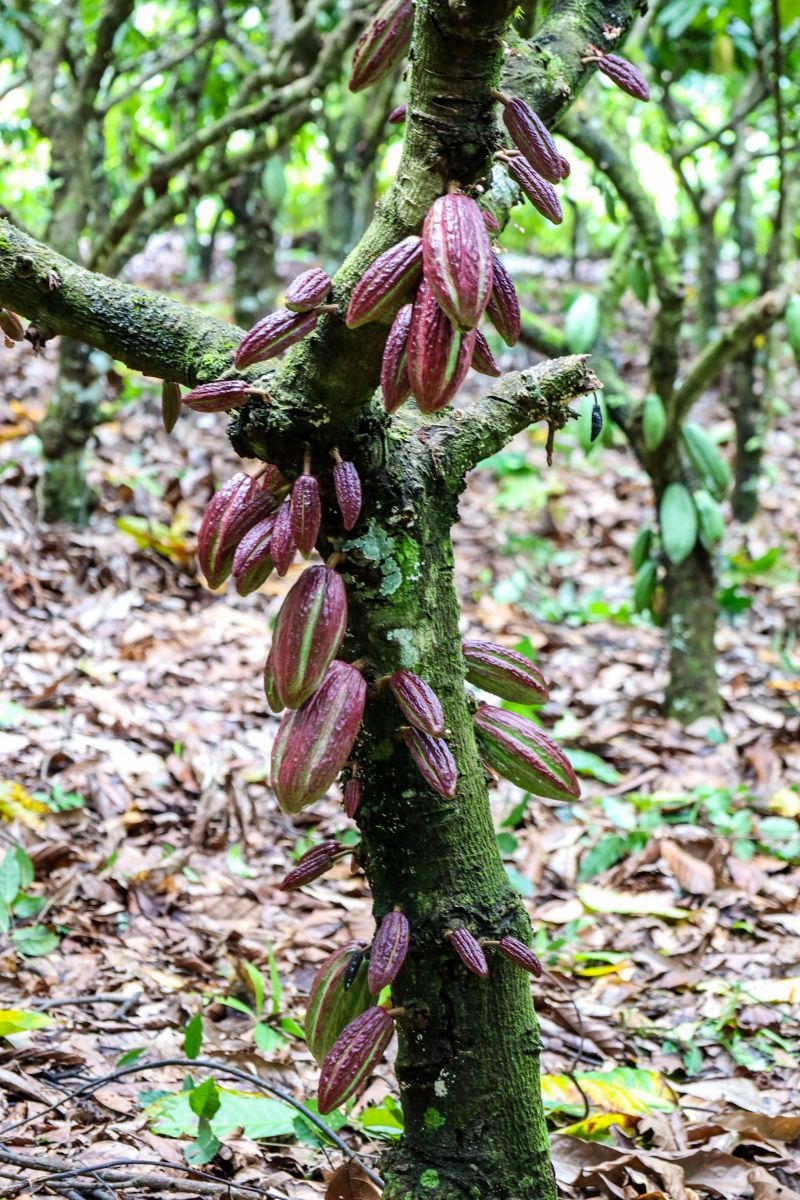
(159, 67)
(114, 15)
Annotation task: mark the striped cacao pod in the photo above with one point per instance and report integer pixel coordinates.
(331, 1005)
(385, 282)
(272, 335)
(283, 547)
(397, 115)
(624, 75)
(418, 702)
(308, 632)
(503, 307)
(388, 952)
(347, 485)
(457, 259)
(522, 753)
(438, 356)
(532, 138)
(433, 758)
(483, 359)
(491, 222)
(232, 511)
(517, 952)
(352, 797)
(382, 44)
(219, 396)
(470, 952)
(308, 290)
(11, 325)
(541, 194)
(312, 864)
(306, 513)
(272, 481)
(503, 672)
(252, 562)
(170, 404)
(353, 1056)
(394, 367)
(274, 701)
(314, 741)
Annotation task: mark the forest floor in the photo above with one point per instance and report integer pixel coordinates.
(665, 902)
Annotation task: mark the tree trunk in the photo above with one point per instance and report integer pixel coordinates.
(255, 282)
(64, 493)
(691, 617)
(707, 266)
(748, 397)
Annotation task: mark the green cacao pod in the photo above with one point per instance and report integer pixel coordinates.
(582, 324)
(330, 1006)
(640, 551)
(677, 518)
(712, 522)
(654, 421)
(644, 585)
(712, 469)
(524, 754)
(308, 632)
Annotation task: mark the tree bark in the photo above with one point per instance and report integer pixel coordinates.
(691, 616)
(64, 493)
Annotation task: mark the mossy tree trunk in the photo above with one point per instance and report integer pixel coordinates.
(64, 493)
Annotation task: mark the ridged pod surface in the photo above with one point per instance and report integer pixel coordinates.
(308, 632)
(397, 115)
(388, 952)
(274, 701)
(232, 511)
(347, 485)
(522, 753)
(352, 797)
(624, 75)
(503, 672)
(252, 562)
(434, 761)
(382, 44)
(352, 1058)
(517, 952)
(314, 741)
(542, 195)
(418, 702)
(308, 290)
(306, 513)
(532, 138)
(438, 356)
(395, 384)
(483, 359)
(457, 259)
(470, 952)
(311, 865)
(283, 546)
(272, 335)
(503, 307)
(385, 282)
(218, 396)
(330, 1007)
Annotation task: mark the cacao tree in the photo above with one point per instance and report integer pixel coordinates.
(366, 664)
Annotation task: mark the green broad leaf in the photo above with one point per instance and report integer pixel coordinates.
(291, 1027)
(677, 517)
(257, 984)
(586, 763)
(193, 1036)
(519, 882)
(204, 1099)
(258, 1116)
(582, 323)
(507, 844)
(623, 1090)
(608, 851)
(18, 1020)
(607, 900)
(266, 1038)
(205, 1146)
(130, 1056)
(381, 1121)
(792, 315)
(276, 987)
(639, 278)
(236, 1005)
(35, 940)
(9, 876)
(236, 863)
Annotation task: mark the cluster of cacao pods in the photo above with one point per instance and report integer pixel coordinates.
(304, 300)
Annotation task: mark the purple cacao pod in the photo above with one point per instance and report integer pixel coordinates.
(541, 194)
(314, 741)
(503, 672)
(308, 290)
(503, 307)
(483, 359)
(312, 864)
(520, 954)
(624, 75)
(491, 222)
(394, 367)
(347, 485)
(438, 356)
(219, 396)
(469, 951)
(331, 1005)
(272, 481)
(282, 547)
(308, 632)
(272, 335)
(388, 952)
(382, 44)
(252, 562)
(352, 1058)
(522, 753)
(385, 282)
(11, 325)
(418, 702)
(170, 404)
(433, 758)
(306, 513)
(566, 169)
(232, 511)
(532, 138)
(457, 259)
(398, 115)
(274, 701)
(352, 797)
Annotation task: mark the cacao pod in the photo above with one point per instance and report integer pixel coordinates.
(418, 702)
(624, 75)
(566, 169)
(347, 485)
(314, 741)
(503, 672)
(438, 356)
(520, 954)
(385, 282)
(170, 404)
(306, 513)
(525, 755)
(532, 138)
(351, 1059)
(434, 760)
(582, 324)
(503, 307)
(712, 522)
(232, 511)
(272, 335)
(470, 952)
(270, 691)
(457, 259)
(644, 585)
(397, 115)
(352, 797)
(640, 550)
(308, 290)
(491, 221)
(252, 562)
(11, 325)
(388, 952)
(282, 547)
(308, 632)
(482, 357)
(272, 481)
(382, 44)
(704, 455)
(654, 421)
(312, 864)
(541, 194)
(331, 1005)
(677, 520)
(394, 367)
(219, 396)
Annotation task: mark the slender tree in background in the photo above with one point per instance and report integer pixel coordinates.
(366, 662)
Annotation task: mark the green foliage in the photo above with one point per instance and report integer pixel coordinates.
(677, 519)
(18, 906)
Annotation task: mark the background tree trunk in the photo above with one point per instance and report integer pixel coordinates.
(73, 411)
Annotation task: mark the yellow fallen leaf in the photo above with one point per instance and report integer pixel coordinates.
(592, 1126)
(17, 1020)
(623, 1090)
(607, 900)
(18, 805)
(623, 969)
(785, 802)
